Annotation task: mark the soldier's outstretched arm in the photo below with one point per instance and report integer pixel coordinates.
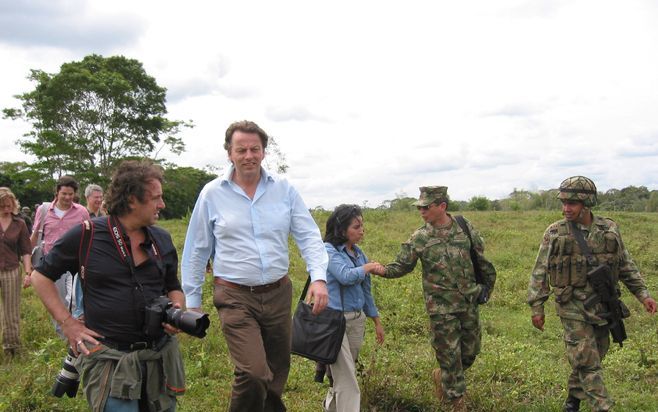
(404, 263)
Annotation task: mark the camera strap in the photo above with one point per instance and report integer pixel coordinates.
(124, 252)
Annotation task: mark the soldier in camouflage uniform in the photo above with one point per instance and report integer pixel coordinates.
(449, 288)
(562, 266)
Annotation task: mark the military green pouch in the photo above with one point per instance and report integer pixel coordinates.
(563, 295)
(559, 273)
(578, 271)
(611, 243)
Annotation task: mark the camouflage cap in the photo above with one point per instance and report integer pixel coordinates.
(431, 194)
(578, 188)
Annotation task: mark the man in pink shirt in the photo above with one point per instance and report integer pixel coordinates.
(62, 214)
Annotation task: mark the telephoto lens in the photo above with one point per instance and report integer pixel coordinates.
(68, 379)
(192, 323)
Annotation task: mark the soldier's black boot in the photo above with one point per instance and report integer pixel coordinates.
(572, 404)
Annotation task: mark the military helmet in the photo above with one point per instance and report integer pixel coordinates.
(578, 188)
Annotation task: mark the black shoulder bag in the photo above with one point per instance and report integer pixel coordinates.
(483, 297)
(317, 337)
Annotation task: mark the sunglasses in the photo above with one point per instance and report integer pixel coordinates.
(423, 207)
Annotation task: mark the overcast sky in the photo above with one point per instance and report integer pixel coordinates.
(372, 99)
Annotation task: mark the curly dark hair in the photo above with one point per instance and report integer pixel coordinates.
(130, 179)
(338, 222)
(244, 126)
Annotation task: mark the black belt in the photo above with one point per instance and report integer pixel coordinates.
(129, 347)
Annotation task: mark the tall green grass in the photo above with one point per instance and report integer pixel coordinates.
(519, 369)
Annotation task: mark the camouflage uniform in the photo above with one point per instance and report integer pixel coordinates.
(562, 266)
(450, 293)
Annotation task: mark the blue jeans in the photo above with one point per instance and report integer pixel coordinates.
(126, 405)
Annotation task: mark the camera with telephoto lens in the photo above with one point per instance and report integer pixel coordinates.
(68, 379)
(161, 310)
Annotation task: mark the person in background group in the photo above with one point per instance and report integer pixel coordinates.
(14, 244)
(94, 196)
(563, 266)
(26, 216)
(124, 366)
(450, 288)
(243, 219)
(60, 215)
(348, 282)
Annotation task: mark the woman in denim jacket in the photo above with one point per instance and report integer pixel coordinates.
(348, 283)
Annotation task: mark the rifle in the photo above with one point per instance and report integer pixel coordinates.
(605, 293)
(483, 297)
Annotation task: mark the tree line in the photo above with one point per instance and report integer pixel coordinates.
(628, 199)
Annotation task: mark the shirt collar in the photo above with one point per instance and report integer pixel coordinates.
(341, 248)
(264, 175)
(73, 206)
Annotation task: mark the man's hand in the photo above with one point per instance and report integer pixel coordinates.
(379, 333)
(27, 281)
(75, 331)
(649, 305)
(171, 329)
(77, 335)
(317, 292)
(378, 269)
(538, 322)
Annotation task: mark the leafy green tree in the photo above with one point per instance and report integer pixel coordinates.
(479, 203)
(630, 199)
(93, 113)
(181, 189)
(652, 203)
(547, 199)
(29, 186)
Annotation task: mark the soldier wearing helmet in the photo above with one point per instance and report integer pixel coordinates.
(563, 267)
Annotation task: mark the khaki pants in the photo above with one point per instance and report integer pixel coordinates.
(257, 329)
(10, 289)
(345, 395)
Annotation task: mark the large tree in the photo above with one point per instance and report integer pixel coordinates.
(94, 113)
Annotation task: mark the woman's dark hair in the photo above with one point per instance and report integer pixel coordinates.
(339, 221)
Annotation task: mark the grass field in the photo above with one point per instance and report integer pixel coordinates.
(520, 368)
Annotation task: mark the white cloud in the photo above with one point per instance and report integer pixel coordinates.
(369, 99)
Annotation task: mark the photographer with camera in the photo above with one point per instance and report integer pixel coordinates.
(129, 357)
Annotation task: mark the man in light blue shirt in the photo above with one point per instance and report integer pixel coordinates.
(243, 219)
